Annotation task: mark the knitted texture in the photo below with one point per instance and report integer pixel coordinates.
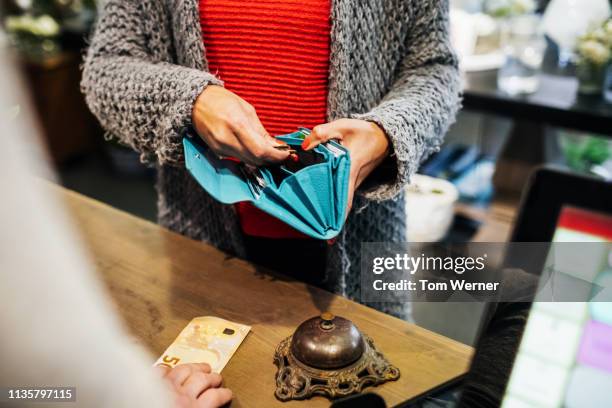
(266, 51)
(274, 54)
(390, 62)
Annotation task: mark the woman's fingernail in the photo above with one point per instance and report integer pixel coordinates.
(305, 144)
(294, 157)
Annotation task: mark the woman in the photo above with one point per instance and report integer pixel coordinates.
(381, 74)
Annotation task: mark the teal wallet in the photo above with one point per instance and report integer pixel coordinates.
(310, 195)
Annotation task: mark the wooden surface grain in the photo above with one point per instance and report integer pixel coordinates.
(161, 280)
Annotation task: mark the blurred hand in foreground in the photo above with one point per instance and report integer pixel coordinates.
(194, 386)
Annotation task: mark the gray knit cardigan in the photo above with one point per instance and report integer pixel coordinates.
(390, 62)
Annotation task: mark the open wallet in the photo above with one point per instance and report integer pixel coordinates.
(310, 194)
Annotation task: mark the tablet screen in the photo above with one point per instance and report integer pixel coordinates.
(565, 356)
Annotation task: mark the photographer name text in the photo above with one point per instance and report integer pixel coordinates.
(428, 264)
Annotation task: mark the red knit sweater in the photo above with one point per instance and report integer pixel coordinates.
(275, 55)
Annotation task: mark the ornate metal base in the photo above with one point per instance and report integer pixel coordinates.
(296, 381)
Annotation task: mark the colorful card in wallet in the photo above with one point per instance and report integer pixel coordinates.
(310, 194)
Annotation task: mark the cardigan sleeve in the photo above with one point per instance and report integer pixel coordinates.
(422, 102)
(138, 98)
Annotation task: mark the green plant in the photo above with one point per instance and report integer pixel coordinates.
(36, 27)
(508, 8)
(57, 9)
(595, 46)
(583, 152)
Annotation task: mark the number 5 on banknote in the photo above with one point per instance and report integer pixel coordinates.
(169, 361)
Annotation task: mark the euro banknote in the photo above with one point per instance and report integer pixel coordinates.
(205, 339)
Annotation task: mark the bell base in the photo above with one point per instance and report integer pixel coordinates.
(297, 381)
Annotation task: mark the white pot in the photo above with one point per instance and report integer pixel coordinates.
(430, 208)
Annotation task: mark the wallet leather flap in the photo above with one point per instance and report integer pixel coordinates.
(221, 178)
(311, 198)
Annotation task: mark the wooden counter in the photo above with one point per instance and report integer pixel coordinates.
(161, 280)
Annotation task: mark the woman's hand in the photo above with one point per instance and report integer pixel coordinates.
(366, 141)
(230, 127)
(194, 386)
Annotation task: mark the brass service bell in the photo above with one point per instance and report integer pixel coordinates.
(328, 355)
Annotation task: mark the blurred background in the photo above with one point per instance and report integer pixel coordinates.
(537, 89)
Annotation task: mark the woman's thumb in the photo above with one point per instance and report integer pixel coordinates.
(320, 134)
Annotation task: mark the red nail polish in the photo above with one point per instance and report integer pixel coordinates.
(295, 157)
(305, 144)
